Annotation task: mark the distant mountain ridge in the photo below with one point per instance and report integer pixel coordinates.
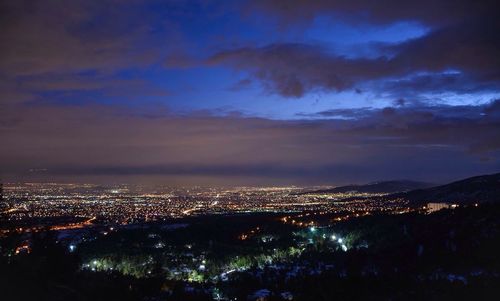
(377, 187)
(478, 189)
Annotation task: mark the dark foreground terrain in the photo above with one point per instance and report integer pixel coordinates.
(451, 254)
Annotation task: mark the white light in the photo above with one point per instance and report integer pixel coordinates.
(344, 248)
(340, 240)
(334, 237)
(313, 229)
(72, 248)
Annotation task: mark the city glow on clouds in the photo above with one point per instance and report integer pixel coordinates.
(250, 92)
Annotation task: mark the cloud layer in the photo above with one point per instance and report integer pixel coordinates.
(467, 45)
(117, 90)
(356, 144)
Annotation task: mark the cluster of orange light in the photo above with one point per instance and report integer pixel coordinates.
(245, 236)
(293, 221)
(74, 225)
(23, 248)
(54, 228)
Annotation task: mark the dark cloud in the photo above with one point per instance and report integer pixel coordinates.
(417, 113)
(458, 83)
(471, 46)
(370, 144)
(60, 46)
(294, 69)
(385, 11)
(468, 45)
(57, 36)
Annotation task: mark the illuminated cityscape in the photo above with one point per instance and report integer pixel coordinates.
(206, 240)
(128, 205)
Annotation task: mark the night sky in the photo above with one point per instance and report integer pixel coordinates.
(249, 92)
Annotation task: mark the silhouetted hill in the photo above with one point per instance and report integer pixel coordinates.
(478, 189)
(377, 187)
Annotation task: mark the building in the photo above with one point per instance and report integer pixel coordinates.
(433, 207)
